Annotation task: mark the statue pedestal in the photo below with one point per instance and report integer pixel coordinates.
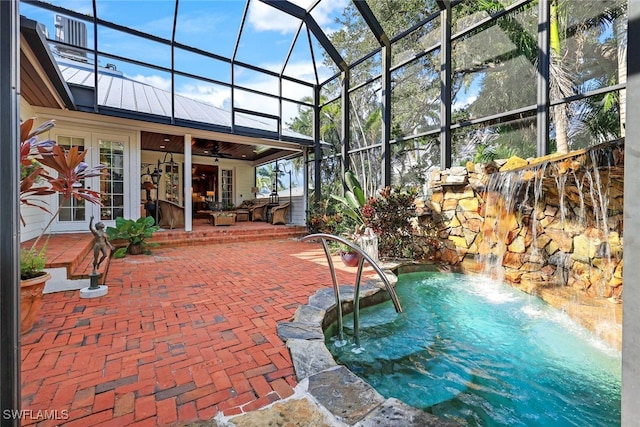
(94, 293)
(94, 290)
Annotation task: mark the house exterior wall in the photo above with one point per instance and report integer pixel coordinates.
(92, 128)
(297, 210)
(34, 218)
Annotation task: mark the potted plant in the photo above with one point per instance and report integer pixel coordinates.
(33, 279)
(353, 203)
(348, 256)
(135, 234)
(70, 171)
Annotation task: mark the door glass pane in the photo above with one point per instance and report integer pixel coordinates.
(112, 183)
(227, 187)
(71, 209)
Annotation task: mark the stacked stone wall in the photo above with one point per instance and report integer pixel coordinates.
(561, 226)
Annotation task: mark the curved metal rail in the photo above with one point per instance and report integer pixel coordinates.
(356, 297)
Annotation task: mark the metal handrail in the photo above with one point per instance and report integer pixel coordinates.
(356, 298)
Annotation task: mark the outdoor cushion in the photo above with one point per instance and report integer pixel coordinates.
(259, 211)
(279, 214)
(171, 214)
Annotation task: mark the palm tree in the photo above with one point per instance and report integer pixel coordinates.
(264, 178)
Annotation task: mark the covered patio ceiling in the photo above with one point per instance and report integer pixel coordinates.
(214, 148)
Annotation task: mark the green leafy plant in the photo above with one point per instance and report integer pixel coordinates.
(32, 262)
(353, 201)
(134, 232)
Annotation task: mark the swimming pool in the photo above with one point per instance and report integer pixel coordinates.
(480, 352)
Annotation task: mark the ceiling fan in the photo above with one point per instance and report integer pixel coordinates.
(215, 152)
(210, 148)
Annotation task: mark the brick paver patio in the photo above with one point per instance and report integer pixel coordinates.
(182, 334)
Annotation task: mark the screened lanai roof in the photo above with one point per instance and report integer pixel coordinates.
(243, 67)
(118, 91)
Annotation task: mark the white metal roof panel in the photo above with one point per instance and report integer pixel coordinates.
(118, 91)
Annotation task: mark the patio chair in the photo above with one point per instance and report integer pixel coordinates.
(171, 214)
(259, 211)
(279, 213)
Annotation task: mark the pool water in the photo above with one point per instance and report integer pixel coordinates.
(480, 352)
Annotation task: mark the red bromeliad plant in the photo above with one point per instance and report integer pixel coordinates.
(35, 180)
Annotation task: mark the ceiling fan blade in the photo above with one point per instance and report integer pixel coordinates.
(215, 151)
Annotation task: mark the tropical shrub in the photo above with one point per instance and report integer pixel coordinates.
(352, 202)
(389, 215)
(324, 218)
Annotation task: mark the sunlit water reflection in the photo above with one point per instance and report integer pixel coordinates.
(483, 353)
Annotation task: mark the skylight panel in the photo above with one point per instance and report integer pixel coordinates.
(120, 43)
(155, 18)
(267, 36)
(211, 26)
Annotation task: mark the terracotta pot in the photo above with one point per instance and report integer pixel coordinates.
(30, 300)
(135, 249)
(350, 259)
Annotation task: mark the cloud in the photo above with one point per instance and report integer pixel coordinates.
(155, 81)
(263, 17)
(302, 70)
(463, 102)
(207, 93)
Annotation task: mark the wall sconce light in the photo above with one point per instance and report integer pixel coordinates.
(155, 175)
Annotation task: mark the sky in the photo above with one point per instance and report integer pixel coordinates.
(213, 26)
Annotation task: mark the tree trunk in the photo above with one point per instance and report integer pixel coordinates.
(560, 126)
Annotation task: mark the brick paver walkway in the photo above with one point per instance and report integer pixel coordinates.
(181, 335)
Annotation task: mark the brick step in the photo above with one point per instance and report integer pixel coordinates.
(230, 238)
(66, 251)
(83, 262)
(223, 234)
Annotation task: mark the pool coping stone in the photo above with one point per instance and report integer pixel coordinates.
(347, 397)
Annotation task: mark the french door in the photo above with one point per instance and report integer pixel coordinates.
(74, 215)
(112, 184)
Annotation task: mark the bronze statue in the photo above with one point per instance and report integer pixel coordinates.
(100, 243)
